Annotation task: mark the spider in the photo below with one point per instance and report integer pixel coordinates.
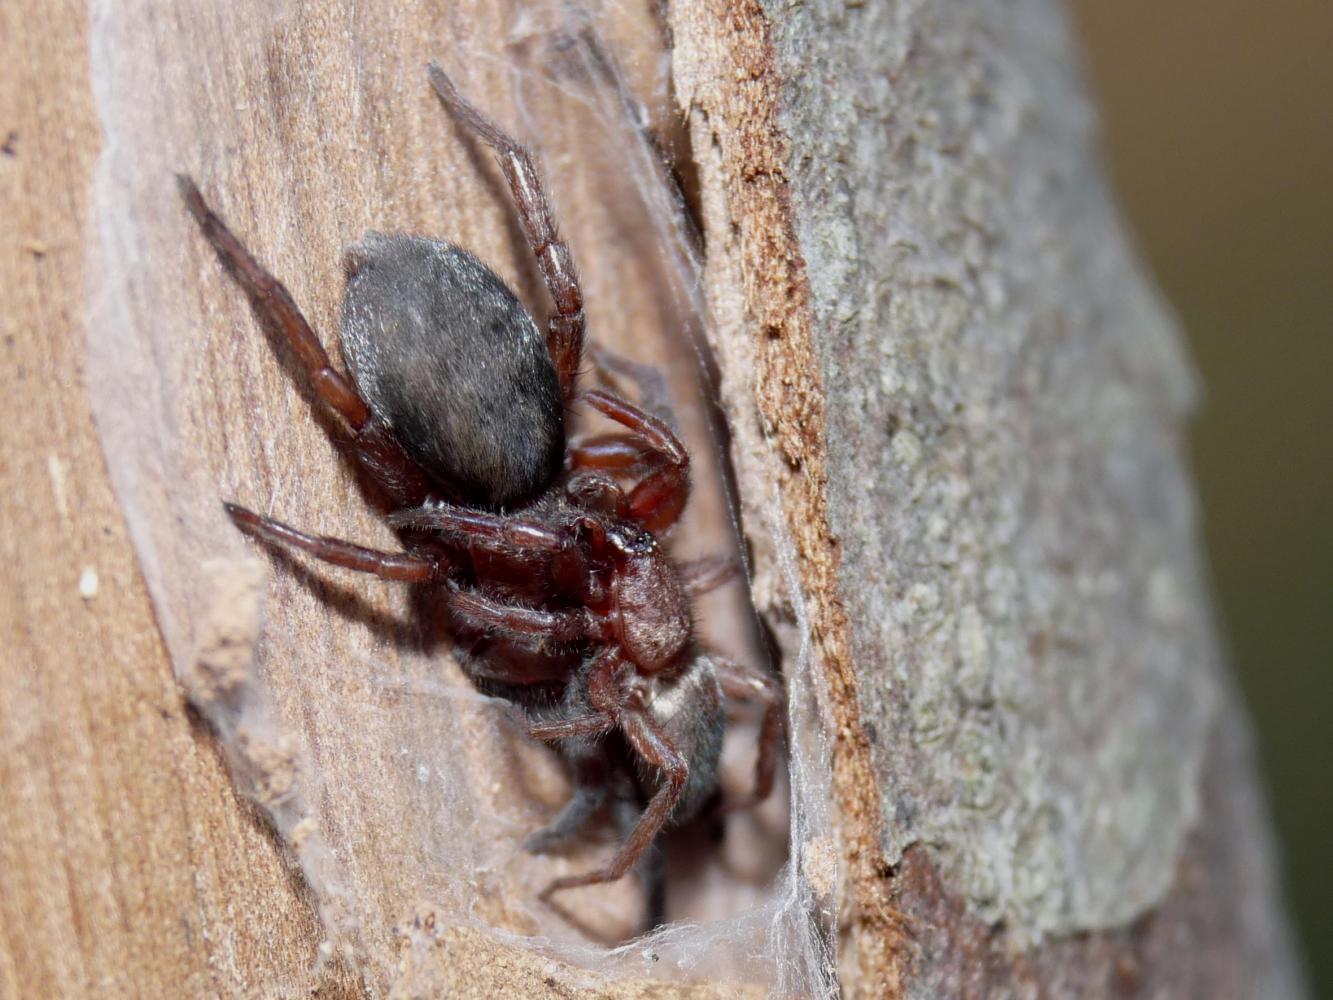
(547, 553)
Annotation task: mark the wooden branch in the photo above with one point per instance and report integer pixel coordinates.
(932, 343)
(1043, 777)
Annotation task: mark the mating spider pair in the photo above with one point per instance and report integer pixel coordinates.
(559, 593)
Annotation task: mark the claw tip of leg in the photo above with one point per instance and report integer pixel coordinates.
(241, 517)
(194, 201)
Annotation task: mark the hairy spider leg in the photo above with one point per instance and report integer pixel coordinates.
(369, 441)
(742, 683)
(596, 724)
(566, 324)
(476, 527)
(651, 866)
(522, 623)
(627, 454)
(647, 379)
(591, 784)
(386, 565)
(615, 708)
(485, 531)
(660, 497)
(600, 690)
(595, 491)
(494, 532)
(400, 566)
(589, 795)
(647, 739)
(623, 453)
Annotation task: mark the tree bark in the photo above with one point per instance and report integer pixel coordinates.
(1044, 777)
(955, 411)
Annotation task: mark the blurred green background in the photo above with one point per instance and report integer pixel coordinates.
(1218, 122)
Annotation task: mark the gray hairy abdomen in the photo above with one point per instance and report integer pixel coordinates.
(689, 710)
(443, 351)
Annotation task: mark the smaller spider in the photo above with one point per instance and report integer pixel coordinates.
(546, 553)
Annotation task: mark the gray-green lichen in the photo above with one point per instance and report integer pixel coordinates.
(1005, 402)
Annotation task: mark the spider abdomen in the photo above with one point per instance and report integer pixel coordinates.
(444, 352)
(688, 707)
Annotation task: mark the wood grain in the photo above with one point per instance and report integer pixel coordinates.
(130, 865)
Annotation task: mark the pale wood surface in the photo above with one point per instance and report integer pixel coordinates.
(126, 856)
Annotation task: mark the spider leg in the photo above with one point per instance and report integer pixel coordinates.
(702, 575)
(660, 497)
(621, 454)
(648, 379)
(524, 623)
(597, 492)
(593, 724)
(579, 720)
(369, 441)
(565, 328)
(590, 702)
(743, 683)
(590, 791)
(626, 454)
(651, 867)
(504, 535)
(651, 743)
(386, 565)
